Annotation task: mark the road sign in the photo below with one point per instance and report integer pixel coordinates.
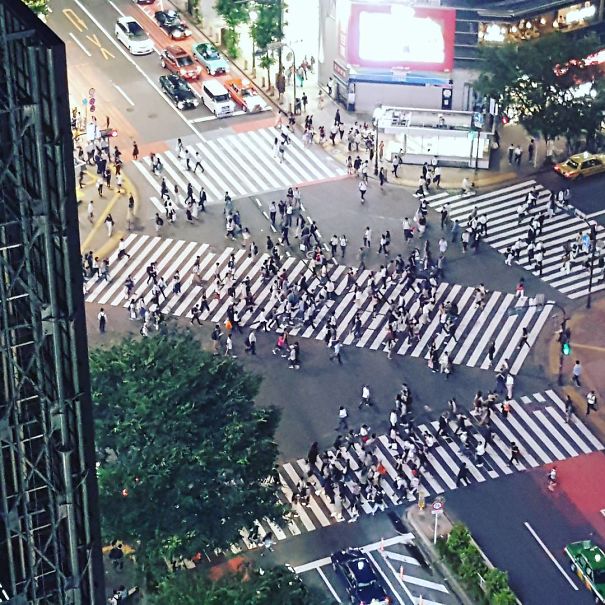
(436, 508)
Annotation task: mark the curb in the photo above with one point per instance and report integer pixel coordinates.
(432, 555)
(442, 567)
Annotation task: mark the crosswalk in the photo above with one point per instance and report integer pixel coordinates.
(501, 319)
(504, 230)
(536, 423)
(242, 164)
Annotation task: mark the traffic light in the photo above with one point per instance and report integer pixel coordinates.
(565, 348)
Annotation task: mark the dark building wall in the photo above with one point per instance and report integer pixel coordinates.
(50, 550)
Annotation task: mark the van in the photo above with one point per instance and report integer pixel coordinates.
(217, 99)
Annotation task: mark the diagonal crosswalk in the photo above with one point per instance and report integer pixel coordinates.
(500, 207)
(536, 423)
(242, 164)
(501, 319)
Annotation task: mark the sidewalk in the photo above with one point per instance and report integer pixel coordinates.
(93, 235)
(588, 346)
(422, 523)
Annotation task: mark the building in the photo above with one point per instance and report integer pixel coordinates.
(50, 551)
(426, 54)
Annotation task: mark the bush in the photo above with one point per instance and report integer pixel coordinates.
(467, 563)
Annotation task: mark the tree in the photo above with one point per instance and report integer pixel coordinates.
(235, 13)
(40, 7)
(275, 586)
(265, 62)
(268, 28)
(185, 454)
(535, 82)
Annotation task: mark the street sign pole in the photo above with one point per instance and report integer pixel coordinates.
(437, 508)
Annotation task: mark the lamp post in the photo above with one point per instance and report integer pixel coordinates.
(376, 115)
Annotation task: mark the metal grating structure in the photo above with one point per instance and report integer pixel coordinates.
(50, 551)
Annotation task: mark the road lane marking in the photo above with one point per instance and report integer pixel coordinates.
(137, 67)
(121, 91)
(550, 555)
(95, 40)
(82, 47)
(117, 9)
(330, 587)
(313, 565)
(73, 18)
(386, 579)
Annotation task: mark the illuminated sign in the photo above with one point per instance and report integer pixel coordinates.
(394, 36)
(581, 14)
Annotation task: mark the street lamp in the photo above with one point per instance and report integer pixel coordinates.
(253, 17)
(376, 115)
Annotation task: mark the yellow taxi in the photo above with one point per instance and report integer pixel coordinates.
(581, 165)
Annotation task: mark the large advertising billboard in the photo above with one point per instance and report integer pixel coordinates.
(396, 36)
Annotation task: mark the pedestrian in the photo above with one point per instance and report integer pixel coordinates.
(510, 383)
(250, 343)
(363, 187)
(463, 475)
(569, 410)
(365, 397)
(520, 289)
(216, 340)
(576, 373)
(515, 452)
(102, 317)
(100, 186)
(523, 340)
(91, 211)
(510, 153)
(591, 402)
(531, 148)
(343, 245)
(342, 419)
(135, 151)
(491, 352)
(336, 346)
(109, 225)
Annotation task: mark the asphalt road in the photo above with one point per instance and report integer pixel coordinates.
(127, 87)
(587, 194)
(498, 513)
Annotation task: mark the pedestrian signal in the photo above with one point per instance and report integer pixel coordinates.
(566, 348)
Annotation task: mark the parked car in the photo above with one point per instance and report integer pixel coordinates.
(179, 91)
(210, 58)
(171, 23)
(133, 36)
(245, 95)
(359, 576)
(588, 563)
(581, 165)
(179, 61)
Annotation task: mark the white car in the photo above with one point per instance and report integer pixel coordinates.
(133, 36)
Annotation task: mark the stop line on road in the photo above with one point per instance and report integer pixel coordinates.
(242, 164)
(500, 207)
(536, 423)
(401, 574)
(502, 319)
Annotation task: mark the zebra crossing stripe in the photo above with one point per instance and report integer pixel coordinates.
(504, 229)
(467, 346)
(534, 431)
(243, 164)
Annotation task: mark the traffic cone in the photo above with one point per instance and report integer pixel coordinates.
(381, 547)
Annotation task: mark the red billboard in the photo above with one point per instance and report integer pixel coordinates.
(396, 36)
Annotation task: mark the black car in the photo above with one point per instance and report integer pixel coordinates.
(171, 23)
(360, 577)
(179, 91)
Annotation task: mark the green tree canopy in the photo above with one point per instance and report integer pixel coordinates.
(526, 79)
(235, 13)
(178, 430)
(276, 586)
(268, 26)
(40, 7)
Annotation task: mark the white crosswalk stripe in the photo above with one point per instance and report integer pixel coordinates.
(242, 164)
(501, 319)
(500, 207)
(537, 424)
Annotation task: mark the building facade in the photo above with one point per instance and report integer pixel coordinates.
(50, 550)
(425, 54)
